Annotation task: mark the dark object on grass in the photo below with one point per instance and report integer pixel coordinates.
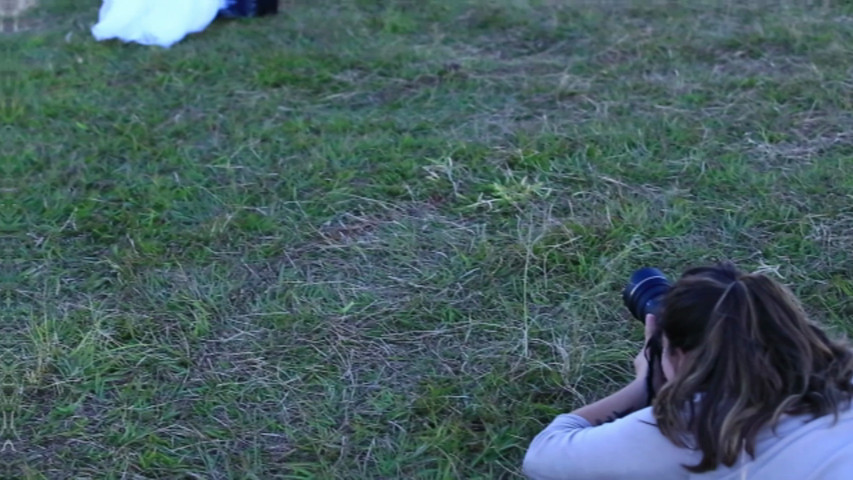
(249, 8)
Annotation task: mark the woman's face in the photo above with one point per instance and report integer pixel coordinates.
(671, 360)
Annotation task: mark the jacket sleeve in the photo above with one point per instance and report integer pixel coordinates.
(570, 448)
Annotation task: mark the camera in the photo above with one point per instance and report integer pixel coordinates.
(644, 292)
(642, 295)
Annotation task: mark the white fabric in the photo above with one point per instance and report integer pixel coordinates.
(154, 22)
(633, 448)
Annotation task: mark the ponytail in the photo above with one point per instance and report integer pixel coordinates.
(752, 357)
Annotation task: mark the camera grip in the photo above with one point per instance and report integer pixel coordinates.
(655, 378)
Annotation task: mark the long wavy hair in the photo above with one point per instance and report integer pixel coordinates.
(753, 356)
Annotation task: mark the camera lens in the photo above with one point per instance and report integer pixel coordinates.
(644, 291)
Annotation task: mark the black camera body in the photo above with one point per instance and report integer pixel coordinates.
(644, 292)
(643, 295)
(249, 8)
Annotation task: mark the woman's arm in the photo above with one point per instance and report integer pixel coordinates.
(627, 400)
(595, 442)
(570, 448)
(632, 397)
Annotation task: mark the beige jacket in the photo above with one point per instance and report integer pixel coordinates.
(633, 448)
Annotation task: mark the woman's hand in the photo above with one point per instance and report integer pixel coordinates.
(641, 361)
(632, 397)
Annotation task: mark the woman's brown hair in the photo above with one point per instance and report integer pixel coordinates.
(752, 357)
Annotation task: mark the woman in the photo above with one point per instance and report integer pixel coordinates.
(752, 391)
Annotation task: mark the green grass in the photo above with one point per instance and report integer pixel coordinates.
(386, 239)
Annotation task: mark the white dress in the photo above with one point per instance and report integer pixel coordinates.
(154, 22)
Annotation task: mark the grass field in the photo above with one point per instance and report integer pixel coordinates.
(387, 239)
